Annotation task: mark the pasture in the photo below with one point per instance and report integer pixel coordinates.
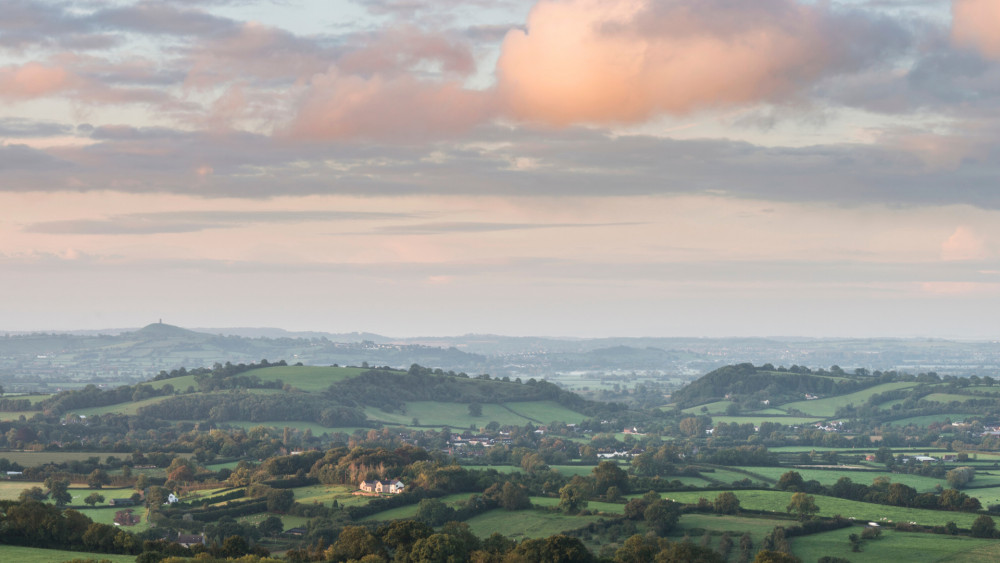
(525, 524)
(326, 494)
(456, 415)
(827, 407)
(947, 398)
(718, 407)
(544, 411)
(929, 419)
(757, 420)
(896, 546)
(31, 459)
(410, 510)
(777, 501)
(696, 525)
(593, 506)
(830, 476)
(38, 555)
(130, 408)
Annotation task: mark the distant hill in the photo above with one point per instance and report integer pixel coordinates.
(745, 381)
(162, 330)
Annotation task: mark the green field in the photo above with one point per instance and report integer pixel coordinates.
(36, 555)
(696, 524)
(776, 501)
(306, 378)
(326, 494)
(932, 418)
(544, 411)
(107, 516)
(10, 490)
(727, 476)
(896, 546)
(947, 398)
(757, 420)
(826, 407)
(130, 408)
(593, 506)
(526, 523)
(829, 476)
(31, 459)
(718, 407)
(410, 510)
(456, 415)
(16, 415)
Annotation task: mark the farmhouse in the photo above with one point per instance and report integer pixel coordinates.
(380, 487)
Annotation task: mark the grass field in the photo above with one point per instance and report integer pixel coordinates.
(306, 378)
(456, 415)
(107, 516)
(326, 494)
(545, 411)
(130, 408)
(526, 523)
(16, 415)
(826, 407)
(36, 555)
(409, 511)
(718, 407)
(31, 459)
(10, 490)
(896, 546)
(593, 506)
(948, 398)
(932, 418)
(829, 476)
(756, 420)
(697, 524)
(776, 501)
(726, 476)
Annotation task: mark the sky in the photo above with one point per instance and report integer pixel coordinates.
(524, 167)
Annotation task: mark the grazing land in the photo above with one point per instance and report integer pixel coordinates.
(896, 546)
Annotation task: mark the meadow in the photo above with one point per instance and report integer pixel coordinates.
(31, 459)
(918, 548)
(827, 407)
(777, 501)
(526, 523)
(695, 525)
(37, 555)
(757, 420)
(456, 415)
(929, 419)
(326, 494)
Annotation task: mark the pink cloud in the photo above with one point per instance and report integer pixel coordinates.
(628, 60)
(976, 24)
(400, 107)
(403, 48)
(33, 80)
(963, 244)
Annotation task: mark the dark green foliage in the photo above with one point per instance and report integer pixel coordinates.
(984, 527)
(726, 503)
(554, 549)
